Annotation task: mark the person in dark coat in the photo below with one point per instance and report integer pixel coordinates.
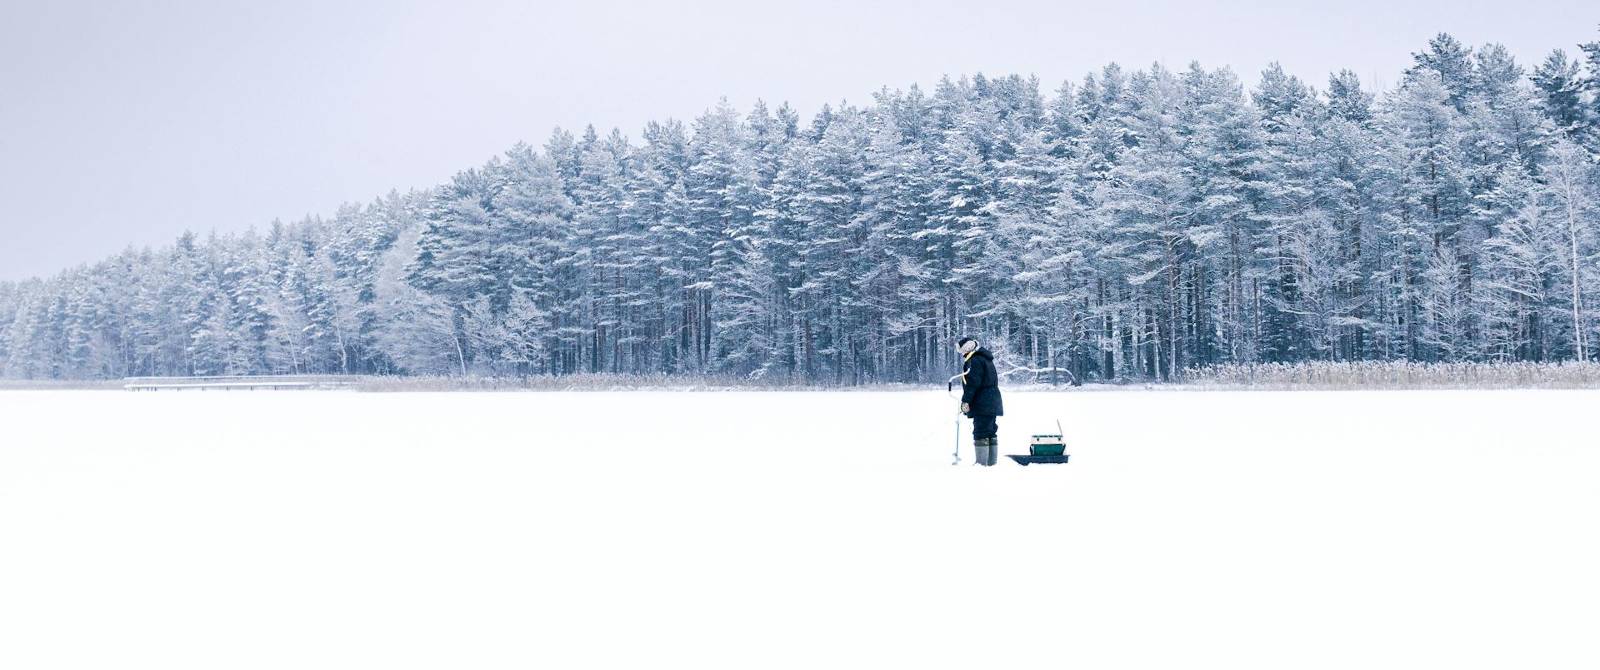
(980, 398)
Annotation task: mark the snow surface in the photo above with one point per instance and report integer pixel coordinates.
(805, 530)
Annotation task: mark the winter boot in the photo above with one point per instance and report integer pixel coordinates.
(986, 451)
(994, 452)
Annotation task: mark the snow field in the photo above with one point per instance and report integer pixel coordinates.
(739, 530)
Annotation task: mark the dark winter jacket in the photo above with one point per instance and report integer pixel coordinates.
(980, 385)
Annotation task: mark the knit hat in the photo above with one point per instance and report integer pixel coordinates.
(966, 345)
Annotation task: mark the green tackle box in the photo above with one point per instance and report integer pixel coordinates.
(1047, 445)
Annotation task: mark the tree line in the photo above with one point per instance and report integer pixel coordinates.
(1132, 225)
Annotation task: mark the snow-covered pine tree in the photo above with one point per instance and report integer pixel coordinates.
(827, 208)
(724, 190)
(1431, 201)
(1452, 62)
(1560, 85)
(1150, 201)
(898, 291)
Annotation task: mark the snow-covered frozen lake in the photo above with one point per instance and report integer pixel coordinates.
(806, 530)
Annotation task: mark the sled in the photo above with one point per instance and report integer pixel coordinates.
(1044, 448)
(1028, 459)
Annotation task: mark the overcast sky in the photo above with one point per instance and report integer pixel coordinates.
(125, 123)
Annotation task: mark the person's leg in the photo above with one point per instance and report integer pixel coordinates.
(994, 440)
(983, 431)
(983, 426)
(980, 444)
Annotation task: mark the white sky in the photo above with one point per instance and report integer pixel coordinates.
(125, 123)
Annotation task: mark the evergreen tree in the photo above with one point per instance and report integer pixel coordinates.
(1560, 87)
(1451, 61)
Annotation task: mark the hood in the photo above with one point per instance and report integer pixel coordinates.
(984, 352)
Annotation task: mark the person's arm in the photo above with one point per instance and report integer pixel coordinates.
(973, 382)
